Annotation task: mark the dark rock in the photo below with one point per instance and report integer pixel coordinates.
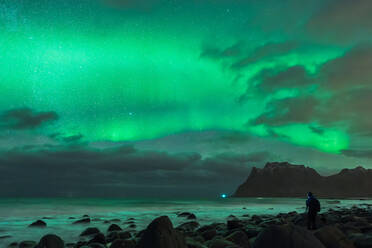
(82, 221)
(38, 223)
(121, 243)
(132, 226)
(188, 226)
(13, 245)
(209, 234)
(114, 227)
(233, 223)
(191, 217)
(111, 236)
(90, 231)
(221, 243)
(51, 241)
(192, 243)
(184, 214)
(160, 234)
(239, 238)
(361, 240)
(96, 245)
(332, 237)
(27, 244)
(85, 216)
(286, 236)
(5, 237)
(98, 238)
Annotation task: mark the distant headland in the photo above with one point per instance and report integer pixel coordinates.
(282, 179)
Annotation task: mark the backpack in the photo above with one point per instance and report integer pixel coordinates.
(315, 204)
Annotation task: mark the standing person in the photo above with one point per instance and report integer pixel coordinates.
(312, 208)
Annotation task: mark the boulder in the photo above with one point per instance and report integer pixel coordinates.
(233, 223)
(286, 236)
(98, 238)
(192, 243)
(161, 234)
(221, 243)
(51, 241)
(122, 243)
(191, 217)
(332, 237)
(38, 223)
(239, 238)
(27, 244)
(111, 236)
(82, 221)
(114, 227)
(209, 234)
(188, 226)
(361, 240)
(90, 231)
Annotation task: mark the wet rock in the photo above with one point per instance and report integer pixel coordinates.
(221, 243)
(98, 238)
(27, 244)
(132, 226)
(191, 217)
(233, 223)
(239, 238)
(121, 243)
(209, 234)
(192, 243)
(188, 226)
(114, 227)
(5, 237)
(332, 237)
(161, 234)
(38, 223)
(96, 245)
(111, 236)
(90, 231)
(82, 221)
(13, 245)
(51, 241)
(286, 236)
(115, 220)
(361, 240)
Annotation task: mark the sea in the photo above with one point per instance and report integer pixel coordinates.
(17, 213)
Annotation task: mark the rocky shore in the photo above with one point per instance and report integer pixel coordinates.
(337, 228)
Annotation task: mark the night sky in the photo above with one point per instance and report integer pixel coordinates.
(179, 98)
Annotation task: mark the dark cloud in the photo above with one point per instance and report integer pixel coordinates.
(358, 153)
(343, 96)
(73, 138)
(120, 171)
(342, 21)
(352, 70)
(233, 51)
(267, 50)
(26, 118)
(289, 111)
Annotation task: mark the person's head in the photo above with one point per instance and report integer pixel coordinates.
(309, 194)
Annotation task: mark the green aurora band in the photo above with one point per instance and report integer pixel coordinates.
(129, 75)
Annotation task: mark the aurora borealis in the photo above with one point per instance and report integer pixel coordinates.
(201, 88)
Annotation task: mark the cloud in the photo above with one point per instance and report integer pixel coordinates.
(267, 50)
(344, 90)
(342, 21)
(289, 111)
(26, 118)
(120, 171)
(358, 153)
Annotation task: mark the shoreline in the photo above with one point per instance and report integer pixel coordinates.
(352, 225)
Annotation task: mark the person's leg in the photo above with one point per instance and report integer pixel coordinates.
(309, 220)
(314, 221)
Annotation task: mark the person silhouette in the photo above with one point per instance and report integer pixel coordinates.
(312, 208)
